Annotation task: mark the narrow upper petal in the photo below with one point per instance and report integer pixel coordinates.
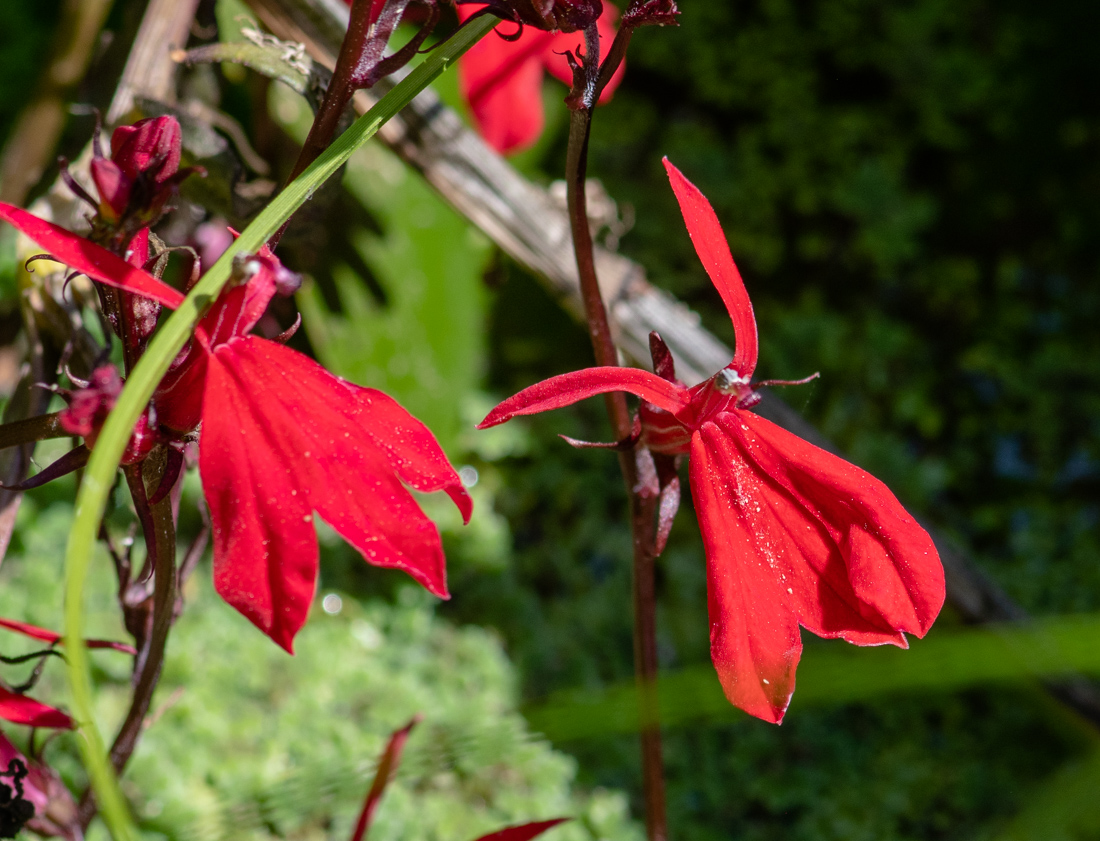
(19, 709)
(88, 258)
(889, 561)
(754, 638)
(567, 389)
(714, 252)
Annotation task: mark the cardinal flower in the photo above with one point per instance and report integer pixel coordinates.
(502, 80)
(281, 438)
(794, 536)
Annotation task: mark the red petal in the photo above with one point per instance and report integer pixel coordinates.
(88, 258)
(387, 767)
(567, 389)
(178, 398)
(714, 252)
(53, 638)
(798, 547)
(410, 448)
(265, 547)
(522, 833)
(112, 185)
(502, 83)
(890, 562)
(135, 148)
(301, 441)
(754, 638)
(19, 709)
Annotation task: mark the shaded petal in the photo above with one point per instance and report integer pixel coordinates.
(88, 258)
(864, 544)
(525, 832)
(19, 709)
(53, 638)
(502, 83)
(265, 547)
(714, 252)
(754, 638)
(567, 389)
(179, 397)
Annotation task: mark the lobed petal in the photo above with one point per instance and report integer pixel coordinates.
(265, 547)
(88, 258)
(864, 544)
(313, 444)
(410, 447)
(800, 549)
(19, 709)
(567, 389)
(754, 638)
(714, 252)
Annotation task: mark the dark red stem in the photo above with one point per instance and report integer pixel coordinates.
(159, 529)
(643, 507)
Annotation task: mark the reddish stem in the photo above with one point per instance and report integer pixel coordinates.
(643, 507)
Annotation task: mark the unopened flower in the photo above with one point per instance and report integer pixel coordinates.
(280, 439)
(142, 175)
(501, 80)
(793, 535)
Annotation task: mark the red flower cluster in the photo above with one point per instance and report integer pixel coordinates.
(793, 535)
(281, 438)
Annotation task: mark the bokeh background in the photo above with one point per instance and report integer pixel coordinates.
(912, 192)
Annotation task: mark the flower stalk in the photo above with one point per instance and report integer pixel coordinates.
(589, 79)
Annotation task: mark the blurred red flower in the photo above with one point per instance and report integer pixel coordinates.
(502, 80)
(793, 535)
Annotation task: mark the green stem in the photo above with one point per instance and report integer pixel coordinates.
(99, 475)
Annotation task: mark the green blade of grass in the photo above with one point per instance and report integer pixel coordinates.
(834, 673)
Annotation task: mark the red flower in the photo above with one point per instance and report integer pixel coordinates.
(793, 535)
(281, 438)
(502, 80)
(142, 173)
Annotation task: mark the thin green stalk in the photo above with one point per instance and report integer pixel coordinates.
(99, 475)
